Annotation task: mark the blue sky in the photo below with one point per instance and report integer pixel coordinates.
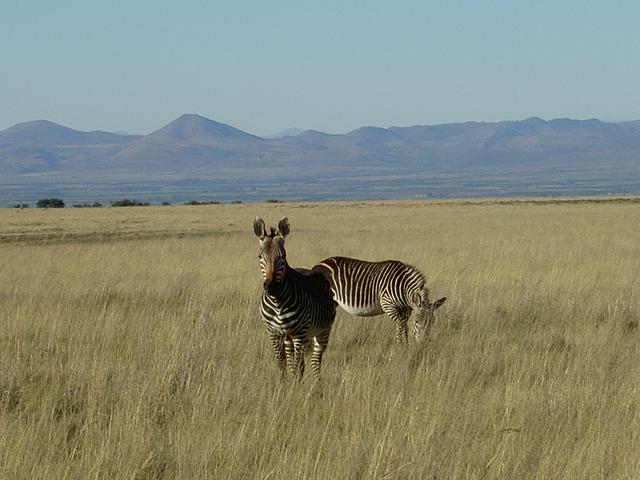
(332, 66)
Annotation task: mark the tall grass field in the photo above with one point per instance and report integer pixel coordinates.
(131, 345)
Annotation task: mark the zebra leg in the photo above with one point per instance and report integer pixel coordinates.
(299, 344)
(288, 346)
(277, 342)
(319, 346)
(399, 317)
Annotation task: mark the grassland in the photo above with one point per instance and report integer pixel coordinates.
(131, 346)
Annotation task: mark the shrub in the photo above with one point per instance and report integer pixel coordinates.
(50, 203)
(196, 202)
(129, 203)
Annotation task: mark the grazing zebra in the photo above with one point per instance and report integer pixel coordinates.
(296, 303)
(371, 288)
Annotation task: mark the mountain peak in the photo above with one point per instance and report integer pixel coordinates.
(373, 134)
(192, 118)
(534, 119)
(289, 132)
(199, 129)
(44, 133)
(37, 126)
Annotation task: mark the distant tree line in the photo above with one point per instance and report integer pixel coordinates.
(125, 202)
(129, 203)
(197, 202)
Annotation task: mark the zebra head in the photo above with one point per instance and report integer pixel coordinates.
(272, 256)
(424, 318)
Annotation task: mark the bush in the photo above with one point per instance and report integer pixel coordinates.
(50, 203)
(21, 205)
(129, 203)
(274, 200)
(196, 202)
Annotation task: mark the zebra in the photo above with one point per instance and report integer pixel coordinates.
(371, 288)
(296, 303)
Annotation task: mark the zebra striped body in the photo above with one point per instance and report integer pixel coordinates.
(296, 304)
(370, 288)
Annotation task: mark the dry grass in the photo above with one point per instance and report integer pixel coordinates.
(131, 346)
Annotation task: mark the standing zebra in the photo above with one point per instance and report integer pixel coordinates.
(371, 288)
(296, 303)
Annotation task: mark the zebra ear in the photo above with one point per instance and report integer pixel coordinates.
(415, 298)
(439, 302)
(259, 228)
(283, 227)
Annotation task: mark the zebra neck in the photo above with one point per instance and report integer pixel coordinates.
(279, 292)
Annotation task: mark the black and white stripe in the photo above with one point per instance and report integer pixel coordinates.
(296, 303)
(371, 288)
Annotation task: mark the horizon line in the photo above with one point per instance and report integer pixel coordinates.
(305, 130)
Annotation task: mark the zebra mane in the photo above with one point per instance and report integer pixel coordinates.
(417, 272)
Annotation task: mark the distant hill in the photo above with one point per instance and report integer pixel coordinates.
(196, 155)
(194, 129)
(42, 133)
(43, 147)
(289, 132)
(189, 143)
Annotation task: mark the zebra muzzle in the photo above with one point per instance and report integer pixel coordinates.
(271, 287)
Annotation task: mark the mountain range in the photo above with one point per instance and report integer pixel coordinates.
(195, 157)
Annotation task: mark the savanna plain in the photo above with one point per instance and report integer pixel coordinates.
(131, 345)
